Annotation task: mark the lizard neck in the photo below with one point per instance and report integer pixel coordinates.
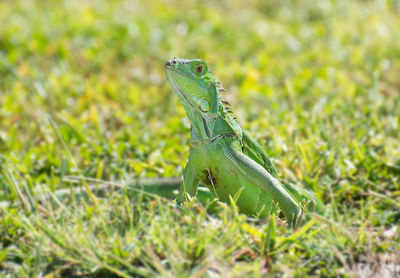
(216, 123)
(221, 128)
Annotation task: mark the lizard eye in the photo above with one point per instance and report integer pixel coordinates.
(199, 68)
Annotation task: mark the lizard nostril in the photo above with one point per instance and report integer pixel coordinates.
(168, 64)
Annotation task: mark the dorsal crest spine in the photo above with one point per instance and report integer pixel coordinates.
(225, 103)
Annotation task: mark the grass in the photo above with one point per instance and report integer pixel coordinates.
(82, 92)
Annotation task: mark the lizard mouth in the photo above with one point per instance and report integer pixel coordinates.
(176, 88)
(169, 67)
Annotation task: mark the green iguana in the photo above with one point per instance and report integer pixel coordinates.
(223, 155)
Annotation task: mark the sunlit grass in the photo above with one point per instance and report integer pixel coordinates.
(82, 93)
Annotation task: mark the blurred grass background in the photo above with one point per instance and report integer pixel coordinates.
(317, 83)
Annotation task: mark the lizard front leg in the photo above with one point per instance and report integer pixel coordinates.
(190, 181)
(252, 172)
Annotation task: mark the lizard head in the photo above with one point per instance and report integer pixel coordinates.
(194, 85)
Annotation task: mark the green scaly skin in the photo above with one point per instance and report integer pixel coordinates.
(223, 156)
